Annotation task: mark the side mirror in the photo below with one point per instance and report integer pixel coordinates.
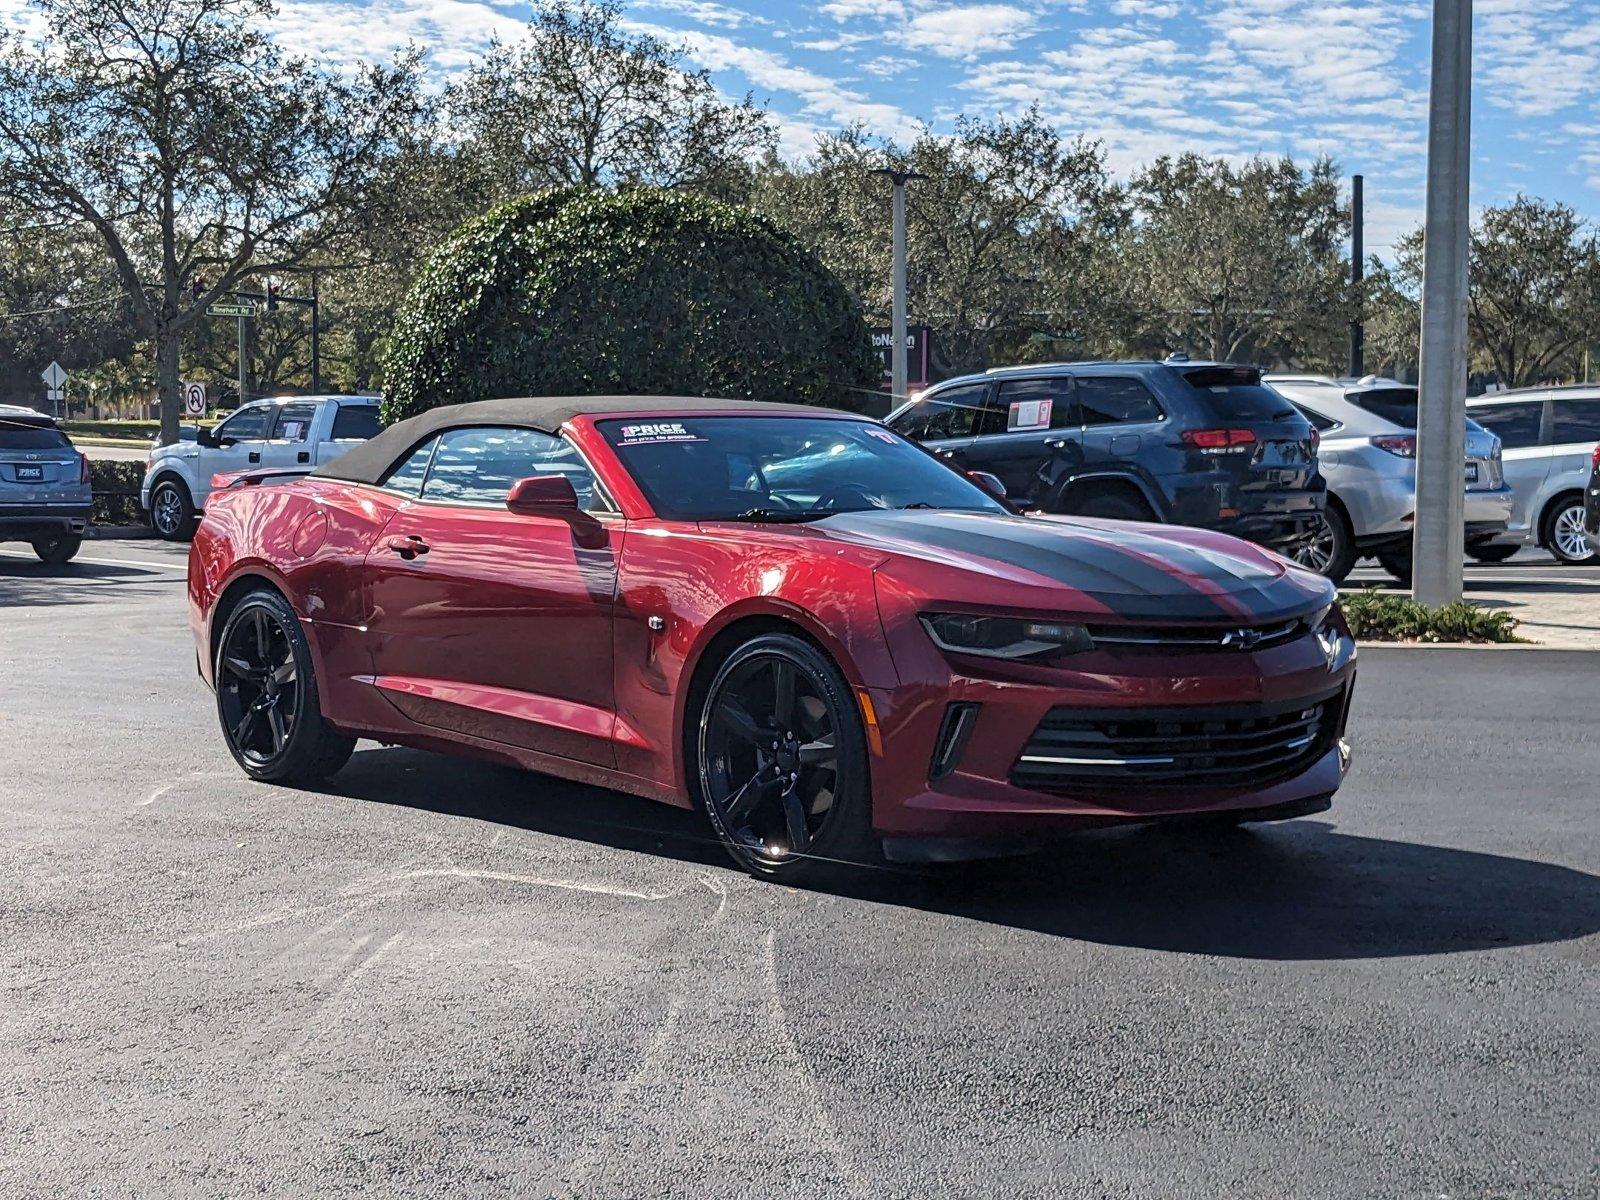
(207, 437)
(543, 496)
(989, 483)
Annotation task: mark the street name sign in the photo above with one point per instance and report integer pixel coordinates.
(230, 310)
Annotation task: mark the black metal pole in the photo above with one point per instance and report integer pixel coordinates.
(1358, 331)
(316, 341)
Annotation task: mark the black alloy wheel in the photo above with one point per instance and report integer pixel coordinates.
(782, 760)
(267, 696)
(57, 551)
(1330, 550)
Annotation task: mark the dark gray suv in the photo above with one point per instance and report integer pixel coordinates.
(1188, 443)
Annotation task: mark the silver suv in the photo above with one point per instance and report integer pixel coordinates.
(1549, 436)
(1368, 456)
(44, 485)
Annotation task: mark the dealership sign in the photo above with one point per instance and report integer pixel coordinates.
(917, 339)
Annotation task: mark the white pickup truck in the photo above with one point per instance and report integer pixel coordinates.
(291, 432)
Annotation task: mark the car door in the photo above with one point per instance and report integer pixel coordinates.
(491, 623)
(944, 420)
(1029, 437)
(1574, 432)
(1120, 416)
(352, 424)
(238, 441)
(1525, 451)
(288, 440)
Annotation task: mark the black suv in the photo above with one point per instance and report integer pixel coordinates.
(1189, 443)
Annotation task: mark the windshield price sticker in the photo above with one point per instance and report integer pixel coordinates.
(1029, 414)
(657, 431)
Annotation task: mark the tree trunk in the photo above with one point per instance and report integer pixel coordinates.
(168, 387)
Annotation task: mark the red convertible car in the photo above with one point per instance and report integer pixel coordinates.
(832, 644)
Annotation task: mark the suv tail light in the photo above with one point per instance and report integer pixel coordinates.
(1403, 444)
(1219, 441)
(83, 468)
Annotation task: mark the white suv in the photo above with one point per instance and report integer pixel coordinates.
(1549, 435)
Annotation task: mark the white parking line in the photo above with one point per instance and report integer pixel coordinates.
(116, 562)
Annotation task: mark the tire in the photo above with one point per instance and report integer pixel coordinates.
(1561, 532)
(1397, 563)
(752, 776)
(267, 699)
(57, 551)
(1110, 506)
(1491, 553)
(1331, 551)
(172, 510)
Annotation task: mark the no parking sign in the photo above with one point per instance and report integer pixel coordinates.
(194, 400)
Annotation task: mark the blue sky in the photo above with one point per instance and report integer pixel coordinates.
(1227, 77)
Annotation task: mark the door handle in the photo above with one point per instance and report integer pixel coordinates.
(254, 456)
(408, 547)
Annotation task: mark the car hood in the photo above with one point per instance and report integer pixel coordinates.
(1128, 570)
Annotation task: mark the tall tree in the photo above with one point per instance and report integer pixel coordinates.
(197, 152)
(1228, 261)
(999, 233)
(580, 101)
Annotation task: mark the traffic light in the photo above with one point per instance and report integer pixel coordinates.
(272, 295)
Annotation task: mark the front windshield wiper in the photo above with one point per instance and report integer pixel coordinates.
(782, 516)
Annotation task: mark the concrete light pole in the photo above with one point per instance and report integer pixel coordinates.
(1358, 271)
(1438, 544)
(897, 351)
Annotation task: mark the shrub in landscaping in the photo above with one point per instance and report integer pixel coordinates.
(116, 492)
(642, 292)
(1376, 616)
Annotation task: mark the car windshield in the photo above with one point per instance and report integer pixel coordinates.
(20, 435)
(783, 468)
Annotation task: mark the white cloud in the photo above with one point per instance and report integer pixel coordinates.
(964, 31)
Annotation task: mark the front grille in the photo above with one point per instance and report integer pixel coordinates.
(1192, 637)
(1200, 747)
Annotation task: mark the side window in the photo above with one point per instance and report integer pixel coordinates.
(1577, 420)
(478, 466)
(292, 422)
(1318, 422)
(407, 475)
(1516, 424)
(356, 422)
(1025, 404)
(1116, 402)
(952, 413)
(247, 424)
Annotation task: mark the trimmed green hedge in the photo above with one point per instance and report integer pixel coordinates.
(116, 492)
(1376, 616)
(641, 292)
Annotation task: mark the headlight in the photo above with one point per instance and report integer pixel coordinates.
(1004, 637)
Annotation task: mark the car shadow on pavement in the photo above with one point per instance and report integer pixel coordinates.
(30, 584)
(1298, 890)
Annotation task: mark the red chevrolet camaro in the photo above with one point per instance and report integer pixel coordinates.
(832, 644)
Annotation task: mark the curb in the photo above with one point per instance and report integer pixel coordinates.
(1362, 646)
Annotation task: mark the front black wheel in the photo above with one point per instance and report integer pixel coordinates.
(1490, 552)
(172, 511)
(267, 696)
(57, 551)
(781, 761)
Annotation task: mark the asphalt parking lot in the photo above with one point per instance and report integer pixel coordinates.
(454, 979)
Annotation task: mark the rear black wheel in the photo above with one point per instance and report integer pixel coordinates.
(267, 697)
(1331, 549)
(1112, 506)
(1562, 533)
(1397, 563)
(57, 551)
(781, 761)
(1491, 553)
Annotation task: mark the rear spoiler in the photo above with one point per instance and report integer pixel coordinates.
(227, 480)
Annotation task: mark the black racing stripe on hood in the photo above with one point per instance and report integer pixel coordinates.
(1126, 584)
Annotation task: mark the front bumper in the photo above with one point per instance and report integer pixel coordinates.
(25, 522)
(980, 799)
